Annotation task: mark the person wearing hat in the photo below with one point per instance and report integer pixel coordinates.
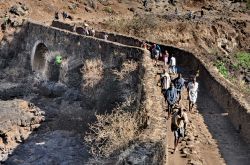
(178, 125)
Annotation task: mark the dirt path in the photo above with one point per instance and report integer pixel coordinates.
(232, 147)
(198, 147)
(210, 138)
(178, 157)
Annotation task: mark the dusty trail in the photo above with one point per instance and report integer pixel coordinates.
(178, 158)
(210, 138)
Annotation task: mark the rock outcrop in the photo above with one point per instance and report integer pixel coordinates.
(18, 118)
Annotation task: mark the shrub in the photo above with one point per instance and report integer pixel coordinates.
(222, 68)
(112, 132)
(126, 69)
(108, 9)
(92, 72)
(248, 4)
(141, 23)
(138, 25)
(243, 60)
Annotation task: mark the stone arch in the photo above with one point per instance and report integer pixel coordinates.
(38, 59)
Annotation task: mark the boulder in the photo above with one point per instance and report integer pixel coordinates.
(186, 151)
(15, 22)
(52, 89)
(17, 10)
(93, 4)
(132, 9)
(72, 95)
(88, 9)
(12, 90)
(24, 7)
(195, 162)
(105, 2)
(45, 88)
(247, 78)
(58, 89)
(73, 6)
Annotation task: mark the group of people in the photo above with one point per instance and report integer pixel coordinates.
(86, 30)
(158, 55)
(172, 89)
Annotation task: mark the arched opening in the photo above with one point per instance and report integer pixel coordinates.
(42, 62)
(38, 57)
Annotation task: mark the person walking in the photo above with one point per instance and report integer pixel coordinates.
(173, 65)
(155, 52)
(165, 80)
(192, 93)
(145, 45)
(105, 36)
(165, 56)
(178, 126)
(172, 2)
(171, 98)
(179, 83)
(92, 32)
(145, 3)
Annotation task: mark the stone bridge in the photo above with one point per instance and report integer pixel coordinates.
(85, 47)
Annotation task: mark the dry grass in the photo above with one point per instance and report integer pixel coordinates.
(112, 132)
(243, 86)
(181, 27)
(92, 72)
(139, 26)
(127, 67)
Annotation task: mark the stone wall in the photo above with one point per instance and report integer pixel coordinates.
(10, 47)
(79, 48)
(238, 113)
(76, 50)
(119, 38)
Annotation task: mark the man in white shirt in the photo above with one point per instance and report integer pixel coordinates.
(172, 64)
(165, 80)
(192, 93)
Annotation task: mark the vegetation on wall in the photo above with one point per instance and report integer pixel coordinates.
(222, 68)
(242, 60)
